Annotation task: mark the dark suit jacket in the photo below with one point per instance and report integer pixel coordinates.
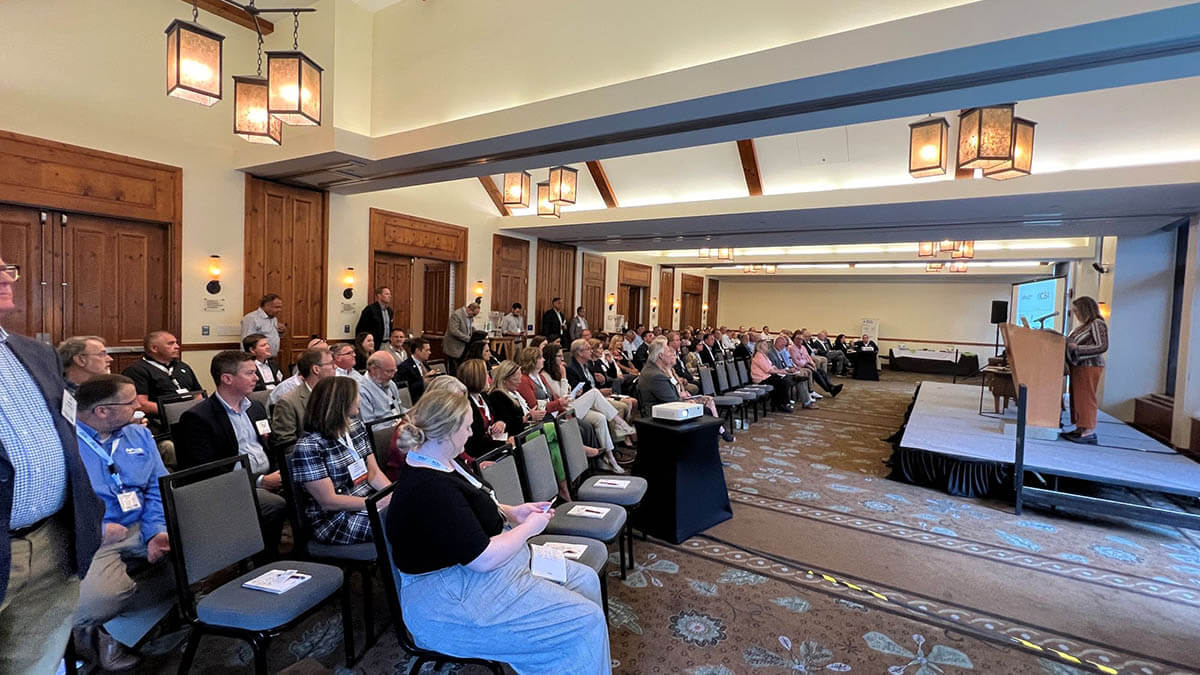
(504, 409)
(81, 501)
(575, 376)
(641, 355)
(551, 326)
(371, 321)
(262, 385)
(816, 347)
(408, 374)
(205, 434)
(706, 355)
(481, 442)
(681, 370)
(860, 345)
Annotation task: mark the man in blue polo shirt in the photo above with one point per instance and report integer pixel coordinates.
(130, 571)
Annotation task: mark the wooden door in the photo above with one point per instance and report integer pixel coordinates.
(689, 310)
(666, 297)
(21, 243)
(555, 278)
(510, 273)
(714, 288)
(285, 239)
(592, 290)
(114, 275)
(395, 272)
(437, 297)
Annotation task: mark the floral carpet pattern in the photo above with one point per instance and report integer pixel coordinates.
(711, 606)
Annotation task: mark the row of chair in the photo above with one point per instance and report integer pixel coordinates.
(734, 393)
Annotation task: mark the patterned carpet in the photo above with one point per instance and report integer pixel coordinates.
(829, 566)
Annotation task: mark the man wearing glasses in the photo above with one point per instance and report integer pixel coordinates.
(53, 516)
(83, 357)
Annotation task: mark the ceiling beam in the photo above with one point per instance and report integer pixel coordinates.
(601, 180)
(750, 167)
(235, 14)
(494, 192)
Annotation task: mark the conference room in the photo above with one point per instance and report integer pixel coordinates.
(691, 337)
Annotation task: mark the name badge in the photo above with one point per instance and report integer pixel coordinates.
(181, 390)
(68, 406)
(358, 470)
(129, 501)
(270, 387)
(134, 451)
(263, 427)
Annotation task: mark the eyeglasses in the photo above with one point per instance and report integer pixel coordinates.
(12, 271)
(101, 353)
(115, 405)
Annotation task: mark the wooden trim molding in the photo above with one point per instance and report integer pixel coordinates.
(402, 234)
(633, 274)
(602, 185)
(493, 192)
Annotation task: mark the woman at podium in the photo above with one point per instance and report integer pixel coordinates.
(1085, 361)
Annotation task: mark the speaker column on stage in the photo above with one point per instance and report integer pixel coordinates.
(999, 311)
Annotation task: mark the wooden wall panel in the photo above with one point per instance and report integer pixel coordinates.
(595, 267)
(714, 293)
(437, 295)
(510, 273)
(633, 274)
(406, 235)
(21, 244)
(690, 310)
(395, 272)
(666, 297)
(285, 243)
(555, 278)
(690, 283)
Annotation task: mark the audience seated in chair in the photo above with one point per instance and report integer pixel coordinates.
(378, 395)
(796, 352)
(269, 375)
(415, 372)
(364, 347)
(83, 357)
(395, 346)
(658, 383)
(287, 416)
(592, 409)
(488, 430)
(823, 346)
(464, 560)
(762, 371)
(333, 465)
(160, 374)
(579, 374)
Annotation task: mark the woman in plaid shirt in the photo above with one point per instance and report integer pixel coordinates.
(334, 465)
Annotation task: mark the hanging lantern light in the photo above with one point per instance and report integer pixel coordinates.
(194, 61)
(958, 266)
(965, 250)
(251, 120)
(947, 245)
(934, 267)
(516, 188)
(725, 254)
(295, 82)
(769, 269)
(545, 208)
(985, 136)
(747, 269)
(927, 147)
(1022, 153)
(563, 181)
(927, 249)
(705, 253)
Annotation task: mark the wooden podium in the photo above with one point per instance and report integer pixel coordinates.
(1037, 358)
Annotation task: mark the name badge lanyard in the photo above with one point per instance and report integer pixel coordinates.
(415, 457)
(169, 371)
(106, 456)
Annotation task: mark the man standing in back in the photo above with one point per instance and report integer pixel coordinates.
(52, 514)
(458, 334)
(376, 318)
(265, 321)
(553, 322)
(577, 325)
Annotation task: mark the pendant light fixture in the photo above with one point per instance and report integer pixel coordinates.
(965, 251)
(958, 266)
(194, 61)
(934, 267)
(563, 182)
(251, 120)
(927, 249)
(770, 269)
(725, 254)
(1022, 153)
(516, 188)
(295, 83)
(985, 136)
(705, 253)
(947, 245)
(545, 208)
(928, 154)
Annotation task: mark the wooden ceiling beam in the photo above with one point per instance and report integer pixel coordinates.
(750, 167)
(494, 192)
(602, 185)
(235, 14)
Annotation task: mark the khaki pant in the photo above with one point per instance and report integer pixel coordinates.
(35, 617)
(1084, 382)
(121, 580)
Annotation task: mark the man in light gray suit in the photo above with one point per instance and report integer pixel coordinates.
(577, 325)
(458, 334)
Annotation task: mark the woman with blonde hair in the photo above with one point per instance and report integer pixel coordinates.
(1086, 346)
(395, 457)
(464, 561)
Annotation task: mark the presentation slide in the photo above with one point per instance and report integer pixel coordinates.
(1037, 300)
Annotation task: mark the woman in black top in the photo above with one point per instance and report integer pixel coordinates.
(364, 346)
(842, 344)
(488, 431)
(464, 561)
(506, 402)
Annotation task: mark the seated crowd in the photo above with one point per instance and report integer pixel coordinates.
(316, 425)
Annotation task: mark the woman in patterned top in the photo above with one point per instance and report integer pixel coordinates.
(1085, 358)
(333, 466)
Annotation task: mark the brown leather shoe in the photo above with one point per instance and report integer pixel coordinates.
(84, 638)
(113, 655)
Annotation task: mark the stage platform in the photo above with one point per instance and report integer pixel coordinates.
(945, 421)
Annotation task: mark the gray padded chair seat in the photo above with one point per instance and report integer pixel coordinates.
(248, 609)
(730, 400)
(360, 552)
(595, 557)
(626, 496)
(604, 529)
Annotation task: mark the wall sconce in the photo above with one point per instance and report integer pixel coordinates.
(612, 300)
(214, 273)
(675, 305)
(516, 189)
(348, 282)
(193, 61)
(1105, 311)
(653, 305)
(704, 307)
(477, 290)
(927, 152)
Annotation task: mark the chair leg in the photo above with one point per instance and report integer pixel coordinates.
(368, 574)
(347, 623)
(621, 548)
(260, 644)
(629, 536)
(189, 653)
(416, 667)
(604, 592)
(69, 656)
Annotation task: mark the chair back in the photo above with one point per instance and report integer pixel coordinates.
(212, 520)
(263, 397)
(381, 432)
(743, 378)
(405, 397)
(504, 477)
(392, 582)
(295, 501)
(535, 466)
(722, 377)
(570, 443)
(706, 381)
(172, 410)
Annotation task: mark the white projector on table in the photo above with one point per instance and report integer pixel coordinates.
(678, 411)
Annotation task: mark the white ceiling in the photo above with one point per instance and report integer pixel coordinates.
(376, 5)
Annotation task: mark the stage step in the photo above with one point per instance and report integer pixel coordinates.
(1152, 414)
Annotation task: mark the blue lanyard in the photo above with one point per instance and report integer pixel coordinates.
(107, 457)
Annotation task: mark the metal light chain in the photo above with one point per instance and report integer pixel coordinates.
(296, 30)
(195, 12)
(260, 43)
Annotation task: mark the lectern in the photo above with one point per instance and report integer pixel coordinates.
(1037, 358)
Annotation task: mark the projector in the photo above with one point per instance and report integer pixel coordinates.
(678, 411)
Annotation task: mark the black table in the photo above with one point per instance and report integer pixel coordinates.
(864, 364)
(681, 463)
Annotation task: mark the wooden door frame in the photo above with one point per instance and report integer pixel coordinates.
(402, 234)
(164, 206)
(641, 276)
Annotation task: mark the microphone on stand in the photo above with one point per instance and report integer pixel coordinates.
(1042, 321)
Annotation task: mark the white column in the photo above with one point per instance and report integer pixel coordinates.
(1187, 372)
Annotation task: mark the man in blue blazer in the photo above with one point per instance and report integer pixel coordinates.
(51, 514)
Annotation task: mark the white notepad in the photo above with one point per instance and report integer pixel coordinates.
(569, 551)
(547, 563)
(612, 483)
(277, 581)
(586, 511)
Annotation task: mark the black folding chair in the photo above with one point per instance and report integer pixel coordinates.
(380, 432)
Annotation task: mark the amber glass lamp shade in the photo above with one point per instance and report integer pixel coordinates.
(725, 254)
(517, 188)
(770, 269)
(295, 88)
(933, 267)
(193, 62)
(546, 208)
(251, 120)
(705, 253)
(947, 245)
(928, 154)
(985, 136)
(965, 251)
(563, 182)
(1022, 153)
(958, 266)
(927, 249)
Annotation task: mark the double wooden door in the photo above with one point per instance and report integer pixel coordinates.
(86, 275)
(395, 272)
